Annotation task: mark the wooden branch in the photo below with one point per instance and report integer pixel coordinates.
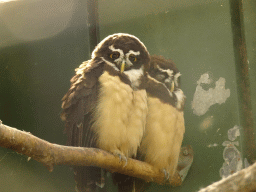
(241, 181)
(52, 154)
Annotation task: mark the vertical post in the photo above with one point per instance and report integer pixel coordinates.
(243, 82)
(93, 23)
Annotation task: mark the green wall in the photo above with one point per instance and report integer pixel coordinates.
(41, 43)
(39, 51)
(198, 38)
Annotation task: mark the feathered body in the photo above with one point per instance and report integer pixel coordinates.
(162, 139)
(106, 106)
(165, 127)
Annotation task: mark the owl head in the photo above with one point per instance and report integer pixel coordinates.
(124, 52)
(165, 71)
(167, 77)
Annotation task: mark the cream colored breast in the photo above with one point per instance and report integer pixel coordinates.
(120, 116)
(163, 135)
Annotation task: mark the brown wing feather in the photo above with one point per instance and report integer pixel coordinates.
(77, 105)
(79, 102)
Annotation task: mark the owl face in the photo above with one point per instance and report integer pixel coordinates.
(165, 71)
(123, 52)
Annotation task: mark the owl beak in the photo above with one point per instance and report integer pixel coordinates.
(122, 67)
(172, 87)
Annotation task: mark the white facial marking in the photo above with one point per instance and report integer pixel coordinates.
(128, 62)
(117, 50)
(179, 95)
(168, 80)
(168, 71)
(176, 76)
(134, 76)
(170, 93)
(121, 57)
(180, 98)
(111, 64)
(118, 60)
(114, 36)
(132, 52)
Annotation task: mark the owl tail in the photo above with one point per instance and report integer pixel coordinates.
(124, 183)
(129, 184)
(88, 179)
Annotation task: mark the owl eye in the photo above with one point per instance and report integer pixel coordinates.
(132, 58)
(114, 55)
(160, 77)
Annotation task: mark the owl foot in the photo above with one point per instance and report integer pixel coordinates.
(166, 175)
(122, 157)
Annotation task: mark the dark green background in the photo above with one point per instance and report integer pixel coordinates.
(41, 43)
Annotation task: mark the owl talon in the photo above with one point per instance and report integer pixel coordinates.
(166, 175)
(123, 158)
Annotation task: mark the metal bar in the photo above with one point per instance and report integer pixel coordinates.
(243, 82)
(93, 23)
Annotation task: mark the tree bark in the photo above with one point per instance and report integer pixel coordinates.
(50, 154)
(241, 181)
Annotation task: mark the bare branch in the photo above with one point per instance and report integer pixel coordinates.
(52, 154)
(241, 181)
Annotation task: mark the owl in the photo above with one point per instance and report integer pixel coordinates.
(162, 139)
(161, 143)
(165, 125)
(106, 105)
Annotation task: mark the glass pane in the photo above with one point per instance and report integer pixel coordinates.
(42, 42)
